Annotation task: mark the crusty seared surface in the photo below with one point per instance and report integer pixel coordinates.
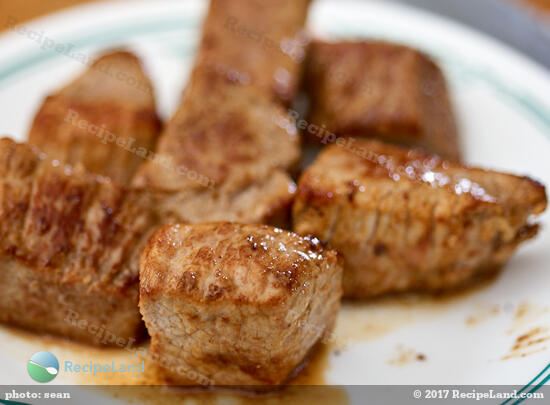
(233, 304)
(229, 149)
(405, 220)
(256, 42)
(381, 90)
(93, 120)
(69, 249)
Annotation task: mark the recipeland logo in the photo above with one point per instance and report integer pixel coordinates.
(43, 367)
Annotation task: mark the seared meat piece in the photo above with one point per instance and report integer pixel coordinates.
(380, 90)
(256, 42)
(69, 249)
(224, 156)
(405, 220)
(106, 119)
(233, 304)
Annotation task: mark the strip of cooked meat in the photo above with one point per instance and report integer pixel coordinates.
(69, 249)
(233, 304)
(406, 220)
(226, 152)
(256, 42)
(105, 119)
(224, 155)
(380, 90)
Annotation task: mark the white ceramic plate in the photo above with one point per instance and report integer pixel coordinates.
(503, 105)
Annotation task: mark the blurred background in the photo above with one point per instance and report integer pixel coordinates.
(523, 24)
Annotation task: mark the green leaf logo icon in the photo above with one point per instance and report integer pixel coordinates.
(43, 367)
